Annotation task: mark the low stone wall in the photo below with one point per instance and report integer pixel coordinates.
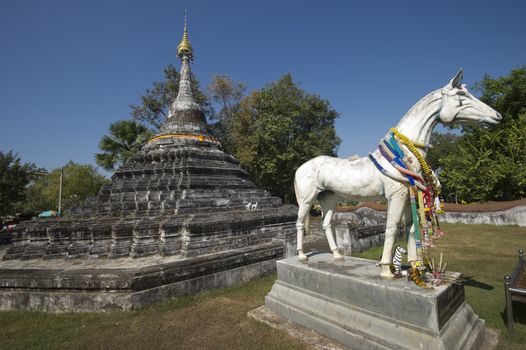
(513, 216)
(356, 239)
(363, 216)
(362, 229)
(359, 230)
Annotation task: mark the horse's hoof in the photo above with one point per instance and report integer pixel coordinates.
(303, 258)
(337, 256)
(386, 272)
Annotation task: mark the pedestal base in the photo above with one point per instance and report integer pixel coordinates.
(350, 303)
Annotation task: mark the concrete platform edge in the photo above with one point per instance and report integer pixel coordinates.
(89, 301)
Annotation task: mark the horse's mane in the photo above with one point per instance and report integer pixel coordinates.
(423, 102)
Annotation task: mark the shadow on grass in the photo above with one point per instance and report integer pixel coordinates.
(469, 281)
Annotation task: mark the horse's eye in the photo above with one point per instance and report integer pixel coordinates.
(461, 93)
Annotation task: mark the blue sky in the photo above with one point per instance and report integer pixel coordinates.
(70, 68)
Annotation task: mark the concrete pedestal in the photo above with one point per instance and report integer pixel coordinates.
(351, 304)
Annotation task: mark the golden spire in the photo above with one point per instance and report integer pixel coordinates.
(185, 48)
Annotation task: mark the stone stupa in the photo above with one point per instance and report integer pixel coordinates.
(175, 219)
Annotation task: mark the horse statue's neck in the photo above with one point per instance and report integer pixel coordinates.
(418, 123)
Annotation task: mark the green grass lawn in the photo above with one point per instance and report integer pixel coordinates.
(212, 320)
(218, 320)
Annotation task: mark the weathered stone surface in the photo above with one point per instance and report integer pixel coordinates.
(121, 239)
(59, 239)
(348, 302)
(100, 247)
(352, 238)
(36, 240)
(80, 241)
(513, 216)
(362, 216)
(125, 285)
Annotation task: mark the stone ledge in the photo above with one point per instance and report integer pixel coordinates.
(134, 278)
(86, 301)
(99, 289)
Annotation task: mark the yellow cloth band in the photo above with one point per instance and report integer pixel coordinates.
(411, 145)
(197, 137)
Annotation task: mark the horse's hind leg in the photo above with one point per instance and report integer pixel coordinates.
(328, 201)
(303, 212)
(306, 193)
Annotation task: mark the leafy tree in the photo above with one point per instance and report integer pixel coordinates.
(126, 138)
(14, 177)
(491, 164)
(443, 144)
(228, 94)
(79, 181)
(155, 103)
(278, 128)
(505, 94)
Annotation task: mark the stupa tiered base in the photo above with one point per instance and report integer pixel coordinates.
(109, 284)
(185, 235)
(351, 304)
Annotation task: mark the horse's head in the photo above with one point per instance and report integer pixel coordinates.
(459, 106)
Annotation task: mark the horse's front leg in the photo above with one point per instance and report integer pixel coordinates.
(300, 233)
(410, 234)
(395, 208)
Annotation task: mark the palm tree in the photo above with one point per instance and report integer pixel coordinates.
(126, 138)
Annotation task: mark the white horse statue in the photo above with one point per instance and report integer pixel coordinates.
(327, 179)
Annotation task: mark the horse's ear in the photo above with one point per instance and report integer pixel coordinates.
(457, 80)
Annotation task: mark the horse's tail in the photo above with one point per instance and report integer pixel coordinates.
(307, 220)
(296, 189)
